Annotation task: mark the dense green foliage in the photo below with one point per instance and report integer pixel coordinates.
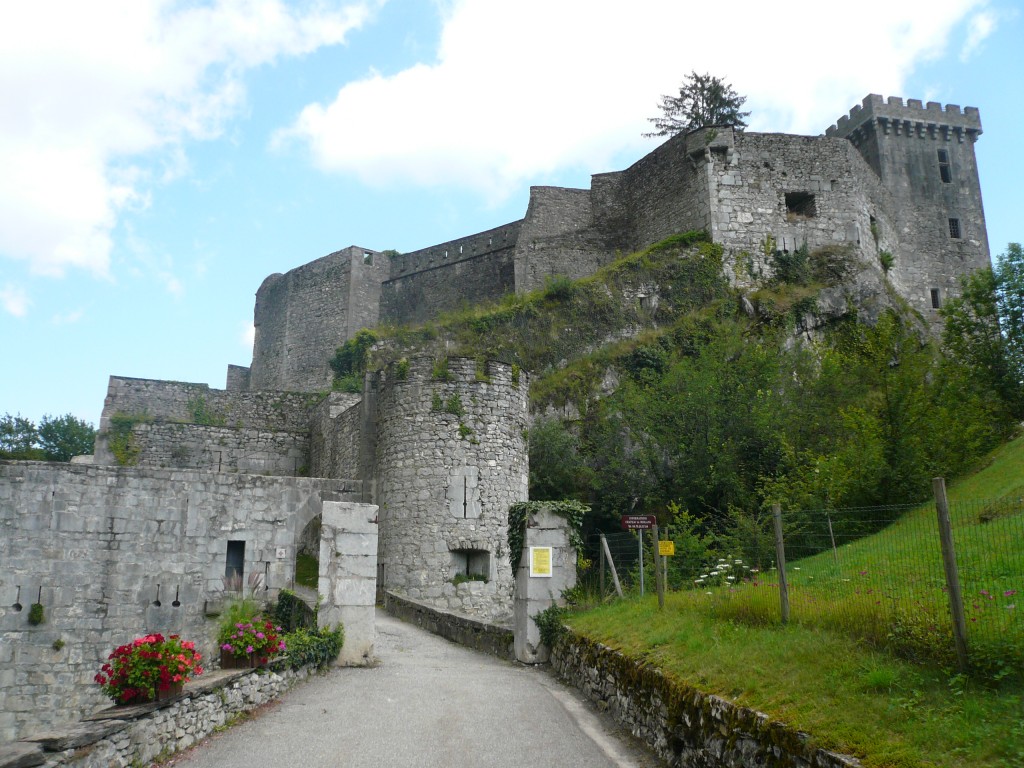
(310, 646)
(518, 516)
(57, 438)
(291, 612)
(349, 362)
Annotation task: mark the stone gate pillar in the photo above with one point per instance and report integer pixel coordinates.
(348, 576)
(540, 579)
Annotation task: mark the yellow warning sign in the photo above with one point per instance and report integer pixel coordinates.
(540, 561)
(666, 548)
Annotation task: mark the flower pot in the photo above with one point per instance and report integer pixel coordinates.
(230, 661)
(175, 689)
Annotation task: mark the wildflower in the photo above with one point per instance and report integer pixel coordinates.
(707, 593)
(729, 578)
(796, 568)
(983, 592)
(1010, 593)
(863, 573)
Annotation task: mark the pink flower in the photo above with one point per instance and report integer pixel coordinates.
(281, 646)
(249, 649)
(260, 635)
(1010, 593)
(227, 647)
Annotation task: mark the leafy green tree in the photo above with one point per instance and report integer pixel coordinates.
(984, 327)
(56, 439)
(557, 470)
(18, 438)
(703, 100)
(63, 437)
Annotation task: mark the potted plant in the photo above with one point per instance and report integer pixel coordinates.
(149, 668)
(248, 643)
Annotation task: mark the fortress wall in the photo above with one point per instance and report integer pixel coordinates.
(444, 492)
(303, 316)
(180, 401)
(493, 240)
(335, 436)
(95, 542)
(448, 285)
(559, 237)
(665, 192)
(237, 378)
(799, 189)
(222, 449)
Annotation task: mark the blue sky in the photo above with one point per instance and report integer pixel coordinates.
(160, 158)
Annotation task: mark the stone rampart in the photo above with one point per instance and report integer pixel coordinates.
(495, 639)
(684, 726)
(113, 553)
(190, 403)
(450, 459)
(444, 277)
(219, 449)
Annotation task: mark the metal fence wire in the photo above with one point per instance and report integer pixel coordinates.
(876, 572)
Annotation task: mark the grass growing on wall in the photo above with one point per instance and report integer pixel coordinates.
(307, 571)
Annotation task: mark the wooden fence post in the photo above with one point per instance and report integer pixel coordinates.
(956, 600)
(601, 569)
(659, 576)
(611, 565)
(780, 557)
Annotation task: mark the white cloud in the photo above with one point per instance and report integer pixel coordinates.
(981, 25)
(68, 318)
(14, 299)
(91, 91)
(520, 89)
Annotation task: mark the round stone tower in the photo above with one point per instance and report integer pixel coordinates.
(451, 457)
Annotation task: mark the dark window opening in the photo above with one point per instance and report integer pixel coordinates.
(471, 564)
(954, 228)
(367, 257)
(944, 171)
(234, 566)
(936, 300)
(800, 205)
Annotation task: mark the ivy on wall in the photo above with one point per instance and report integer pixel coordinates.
(519, 514)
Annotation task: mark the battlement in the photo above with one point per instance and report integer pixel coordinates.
(443, 254)
(914, 118)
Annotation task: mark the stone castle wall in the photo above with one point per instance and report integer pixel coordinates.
(441, 278)
(114, 553)
(336, 434)
(303, 316)
(450, 459)
(221, 449)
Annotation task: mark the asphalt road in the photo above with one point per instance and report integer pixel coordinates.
(427, 703)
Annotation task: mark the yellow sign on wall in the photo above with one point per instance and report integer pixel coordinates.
(666, 548)
(540, 561)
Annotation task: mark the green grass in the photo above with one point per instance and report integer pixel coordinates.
(889, 588)
(888, 712)
(832, 672)
(307, 571)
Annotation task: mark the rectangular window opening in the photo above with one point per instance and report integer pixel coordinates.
(954, 229)
(367, 257)
(470, 565)
(944, 171)
(800, 205)
(234, 566)
(936, 299)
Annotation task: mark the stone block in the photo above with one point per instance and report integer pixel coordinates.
(19, 754)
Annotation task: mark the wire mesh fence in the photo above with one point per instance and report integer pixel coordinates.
(876, 573)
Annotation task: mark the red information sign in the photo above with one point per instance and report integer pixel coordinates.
(638, 522)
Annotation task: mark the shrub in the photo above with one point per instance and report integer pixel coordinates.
(309, 646)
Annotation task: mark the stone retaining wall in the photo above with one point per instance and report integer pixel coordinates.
(129, 736)
(685, 727)
(479, 635)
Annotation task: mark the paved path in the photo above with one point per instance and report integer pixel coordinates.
(429, 703)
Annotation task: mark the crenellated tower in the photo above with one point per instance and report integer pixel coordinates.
(935, 223)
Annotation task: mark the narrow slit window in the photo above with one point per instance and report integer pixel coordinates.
(954, 229)
(936, 299)
(944, 171)
(234, 566)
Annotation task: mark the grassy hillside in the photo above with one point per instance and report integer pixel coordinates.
(820, 675)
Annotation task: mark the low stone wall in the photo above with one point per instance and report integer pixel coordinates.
(494, 639)
(128, 736)
(685, 727)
